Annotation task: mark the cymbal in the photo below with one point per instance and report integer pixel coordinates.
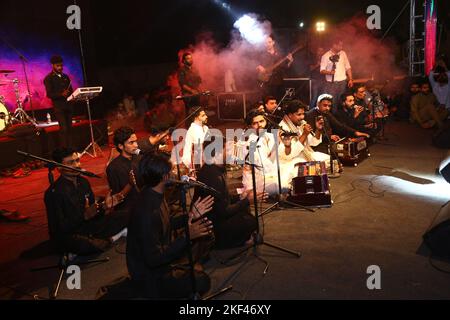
(7, 71)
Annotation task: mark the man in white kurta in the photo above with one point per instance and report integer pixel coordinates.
(193, 143)
(261, 152)
(296, 149)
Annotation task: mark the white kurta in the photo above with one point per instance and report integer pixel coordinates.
(193, 145)
(263, 156)
(288, 162)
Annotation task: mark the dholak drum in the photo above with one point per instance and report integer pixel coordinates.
(311, 187)
(4, 117)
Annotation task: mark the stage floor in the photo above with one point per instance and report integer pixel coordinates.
(381, 210)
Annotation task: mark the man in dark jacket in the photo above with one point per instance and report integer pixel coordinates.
(59, 87)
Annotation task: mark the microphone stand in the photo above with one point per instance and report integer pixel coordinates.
(331, 150)
(55, 164)
(258, 239)
(281, 203)
(65, 260)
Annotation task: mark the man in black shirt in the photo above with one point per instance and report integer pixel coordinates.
(271, 80)
(230, 215)
(351, 114)
(75, 220)
(153, 251)
(189, 81)
(59, 88)
(333, 127)
(122, 171)
(273, 113)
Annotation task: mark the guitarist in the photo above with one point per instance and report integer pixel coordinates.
(270, 78)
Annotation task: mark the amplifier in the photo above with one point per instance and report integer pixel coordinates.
(231, 106)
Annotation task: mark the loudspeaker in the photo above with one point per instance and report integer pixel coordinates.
(302, 89)
(231, 106)
(437, 238)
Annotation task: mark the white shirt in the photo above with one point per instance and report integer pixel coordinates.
(341, 67)
(194, 139)
(297, 148)
(442, 93)
(262, 154)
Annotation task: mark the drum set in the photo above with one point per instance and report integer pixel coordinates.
(19, 116)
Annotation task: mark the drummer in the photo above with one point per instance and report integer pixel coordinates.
(297, 148)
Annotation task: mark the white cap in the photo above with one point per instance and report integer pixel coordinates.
(323, 97)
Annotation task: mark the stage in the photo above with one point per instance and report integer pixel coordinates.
(46, 138)
(381, 210)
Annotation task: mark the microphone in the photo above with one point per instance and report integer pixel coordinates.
(191, 183)
(137, 152)
(199, 184)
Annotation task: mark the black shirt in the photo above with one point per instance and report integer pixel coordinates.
(347, 117)
(150, 248)
(55, 84)
(65, 203)
(118, 174)
(190, 77)
(332, 125)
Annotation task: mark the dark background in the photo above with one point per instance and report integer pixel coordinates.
(130, 34)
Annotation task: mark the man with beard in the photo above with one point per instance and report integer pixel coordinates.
(76, 222)
(260, 153)
(441, 87)
(59, 87)
(195, 136)
(426, 110)
(337, 70)
(333, 128)
(271, 81)
(297, 149)
(190, 82)
(123, 169)
(355, 116)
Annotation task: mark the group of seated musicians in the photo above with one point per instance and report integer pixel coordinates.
(156, 238)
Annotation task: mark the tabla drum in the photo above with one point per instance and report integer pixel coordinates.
(311, 186)
(4, 117)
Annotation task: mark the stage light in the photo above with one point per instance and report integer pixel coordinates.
(224, 5)
(250, 29)
(301, 24)
(320, 26)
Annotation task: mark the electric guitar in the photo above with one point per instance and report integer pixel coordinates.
(264, 77)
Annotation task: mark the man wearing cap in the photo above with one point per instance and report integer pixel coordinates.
(59, 87)
(333, 127)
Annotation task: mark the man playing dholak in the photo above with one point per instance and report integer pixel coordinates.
(296, 149)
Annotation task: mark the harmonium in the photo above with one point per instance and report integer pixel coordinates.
(311, 187)
(352, 151)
